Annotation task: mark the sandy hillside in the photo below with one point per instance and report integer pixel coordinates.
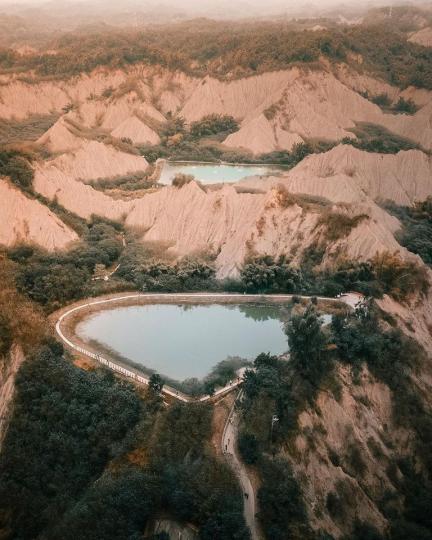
(280, 108)
(134, 129)
(59, 138)
(231, 223)
(275, 109)
(346, 174)
(93, 160)
(27, 220)
(422, 37)
(403, 178)
(20, 99)
(362, 418)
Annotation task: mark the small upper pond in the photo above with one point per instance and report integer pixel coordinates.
(183, 341)
(209, 173)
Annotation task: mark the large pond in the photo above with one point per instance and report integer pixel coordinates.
(184, 341)
(208, 173)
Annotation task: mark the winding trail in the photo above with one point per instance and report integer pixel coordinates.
(351, 299)
(229, 449)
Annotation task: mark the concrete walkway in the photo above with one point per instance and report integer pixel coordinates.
(351, 299)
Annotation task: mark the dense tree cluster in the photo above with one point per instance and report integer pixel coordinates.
(274, 394)
(266, 274)
(53, 279)
(71, 420)
(152, 274)
(104, 462)
(386, 273)
(307, 345)
(281, 508)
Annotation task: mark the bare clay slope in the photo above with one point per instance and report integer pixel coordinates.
(230, 223)
(27, 220)
(276, 110)
(422, 37)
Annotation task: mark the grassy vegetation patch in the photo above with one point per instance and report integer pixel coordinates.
(30, 129)
(338, 225)
(375, 138)
(416, 233)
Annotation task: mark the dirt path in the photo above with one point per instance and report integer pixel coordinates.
(229, 449)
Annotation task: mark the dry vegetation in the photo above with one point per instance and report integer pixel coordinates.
(338, 225)
(231, 50)
(30, 129)
(20, 320)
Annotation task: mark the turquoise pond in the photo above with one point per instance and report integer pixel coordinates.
(184, 341)
(209, 173)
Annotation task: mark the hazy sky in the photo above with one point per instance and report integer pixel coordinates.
(88, 11)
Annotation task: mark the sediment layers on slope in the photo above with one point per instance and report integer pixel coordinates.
(59, 138)
(276, 109)
(280, 108)
(134, 129)
(359, 423)
(27, 220)
(92, 160)
(347, 174)
(232, 223)
(422, 37)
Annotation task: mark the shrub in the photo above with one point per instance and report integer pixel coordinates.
(213, 124)
(374, 138)
(181, 180)
(281, 507)
(266, 274)
(307, 342)
(17, 167)
(5, 335)
(334, 505)
(355, 459)
(382, 100)
(400, 278)
(405, 106)
(416, 233)
(339, 225)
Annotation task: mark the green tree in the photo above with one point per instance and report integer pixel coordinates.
(281, 504)
(307, 341)
(209, 388)
(156, 383)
